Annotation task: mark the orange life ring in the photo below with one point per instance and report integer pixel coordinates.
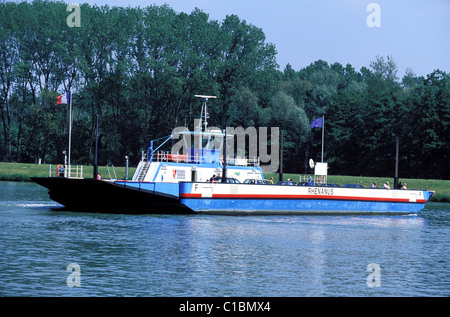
(57, 169)
(320, 179)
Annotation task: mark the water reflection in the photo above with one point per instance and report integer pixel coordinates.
(203, 255)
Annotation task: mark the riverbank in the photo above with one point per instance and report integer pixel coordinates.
(441, 187)
(23, 172)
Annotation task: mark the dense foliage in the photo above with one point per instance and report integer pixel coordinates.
(139, 69)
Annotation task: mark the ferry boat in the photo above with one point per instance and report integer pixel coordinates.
(166, 183)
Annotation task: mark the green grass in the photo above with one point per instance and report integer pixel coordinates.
(24, 172)
(441, 187)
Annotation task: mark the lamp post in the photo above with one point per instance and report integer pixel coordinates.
(397, 150)
(65, 163)
(95, 173)
(126, 167)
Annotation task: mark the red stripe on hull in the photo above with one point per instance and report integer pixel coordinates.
(324, 197)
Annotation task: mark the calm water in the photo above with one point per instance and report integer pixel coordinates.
(270, 256)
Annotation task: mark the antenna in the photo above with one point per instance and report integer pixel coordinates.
(205, 97)
(204, 106)
(311, 163)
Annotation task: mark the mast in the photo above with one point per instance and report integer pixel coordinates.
(203, 117)
(204, 113)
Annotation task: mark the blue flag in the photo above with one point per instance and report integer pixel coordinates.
(317, 123)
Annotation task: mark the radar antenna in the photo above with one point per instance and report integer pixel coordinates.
(204, 114)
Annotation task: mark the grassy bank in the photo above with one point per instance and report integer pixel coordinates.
(23, 172)
(441, 187)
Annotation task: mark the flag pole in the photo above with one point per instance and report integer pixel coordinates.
(323, 134)
(70, 129)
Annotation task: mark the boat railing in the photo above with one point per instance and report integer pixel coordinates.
(114, 172)
(198, 159)
(72, 171)
(76, 171)
(245, 161)
(313, 179)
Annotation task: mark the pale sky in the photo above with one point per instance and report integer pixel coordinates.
(416, 33)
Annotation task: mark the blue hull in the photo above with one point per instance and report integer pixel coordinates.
(301, 206)
(275, 199)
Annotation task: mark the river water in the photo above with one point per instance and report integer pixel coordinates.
(48, 252)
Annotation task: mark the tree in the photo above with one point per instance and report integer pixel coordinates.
(431, 117)
(8, 59)
(245, 58)
(293, 121)
(139, 69)
(244, 109)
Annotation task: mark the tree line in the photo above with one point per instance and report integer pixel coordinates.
(139, 69)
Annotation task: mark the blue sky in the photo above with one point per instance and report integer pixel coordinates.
(416, 33)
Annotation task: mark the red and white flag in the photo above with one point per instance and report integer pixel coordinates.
(63, 99)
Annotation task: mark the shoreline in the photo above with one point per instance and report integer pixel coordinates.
(22, 172)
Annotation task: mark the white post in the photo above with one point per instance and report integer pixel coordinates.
(65, 164)
(70, 129)
(323, 133)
